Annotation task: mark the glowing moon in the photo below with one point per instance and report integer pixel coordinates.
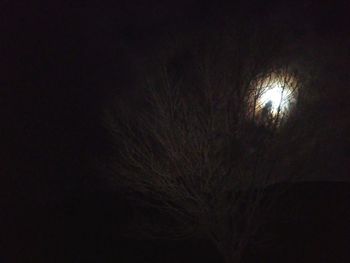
(272, 97)
(278, 95)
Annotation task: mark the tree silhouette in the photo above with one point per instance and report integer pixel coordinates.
(195, 153)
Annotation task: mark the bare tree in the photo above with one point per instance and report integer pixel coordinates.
(199, 151)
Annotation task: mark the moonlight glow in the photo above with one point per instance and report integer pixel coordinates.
(274, 93)
(278, 95)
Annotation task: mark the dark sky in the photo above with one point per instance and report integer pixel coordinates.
(61, 64)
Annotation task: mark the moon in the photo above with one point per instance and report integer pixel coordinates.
(275, 93)
(278, 94)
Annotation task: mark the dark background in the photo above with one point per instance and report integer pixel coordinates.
(62, 63)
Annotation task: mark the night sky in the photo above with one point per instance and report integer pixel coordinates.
(63, 64)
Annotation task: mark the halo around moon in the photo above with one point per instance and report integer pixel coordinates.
(274, 95)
